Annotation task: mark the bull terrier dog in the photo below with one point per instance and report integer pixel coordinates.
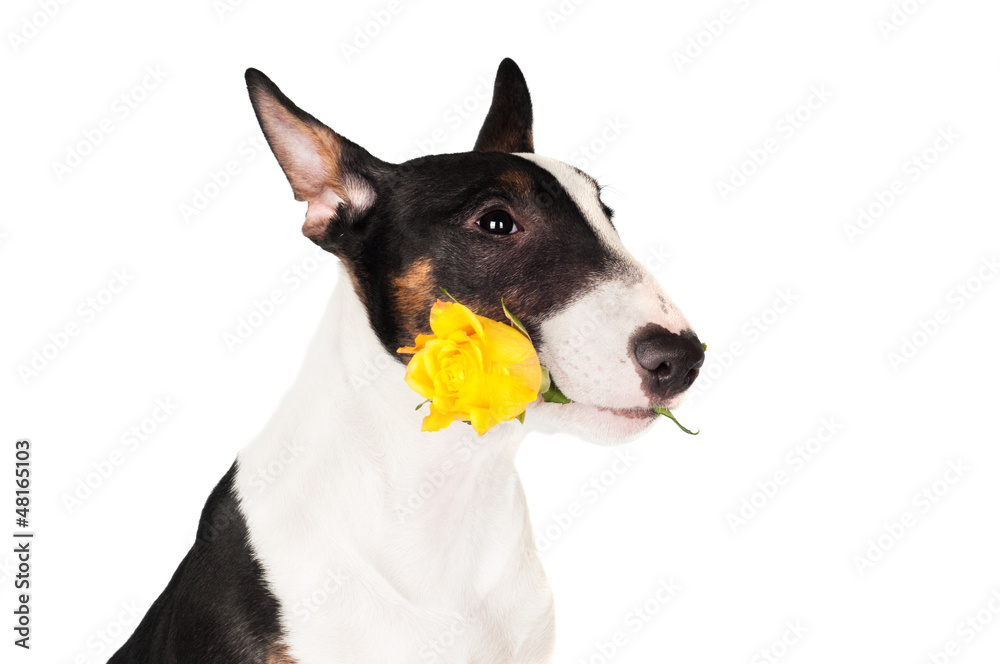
(331, 559)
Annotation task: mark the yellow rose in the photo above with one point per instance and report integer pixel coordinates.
(473, 369)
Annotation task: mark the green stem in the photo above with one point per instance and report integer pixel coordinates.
(667, 413)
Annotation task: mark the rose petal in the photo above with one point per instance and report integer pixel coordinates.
(480, 419)
(447, 317)
(505, 344)
(437, 420)
(508, 396)
(418, 378)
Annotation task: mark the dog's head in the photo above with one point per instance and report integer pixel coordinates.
(497, 222)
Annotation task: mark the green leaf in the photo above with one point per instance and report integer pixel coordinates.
(555, 395)
(518, 325)
(704, 346)
(520, 418)
(666, 412)
(549, 391)
(421, 404)
(546, 381)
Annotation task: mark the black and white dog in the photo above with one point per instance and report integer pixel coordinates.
(327, 563)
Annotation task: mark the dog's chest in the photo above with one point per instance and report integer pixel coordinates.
(394, 635)
(355, 615)
(366, 585)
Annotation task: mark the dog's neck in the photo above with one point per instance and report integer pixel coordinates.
(351, 382)
(343, 466)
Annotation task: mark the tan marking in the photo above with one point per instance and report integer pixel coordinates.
(277, 653)
(518, 182)
(413, 293)
(328, 148)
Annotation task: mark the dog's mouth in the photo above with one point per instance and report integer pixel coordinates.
(635, 414)
(612, 414)
(630, 413)
(648, 412)
(600, 424)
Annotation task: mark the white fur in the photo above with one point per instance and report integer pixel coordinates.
(457, 579)
(586, 345)
(584, 193)
(360, 194)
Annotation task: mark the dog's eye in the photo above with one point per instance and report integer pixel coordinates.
(498, 222)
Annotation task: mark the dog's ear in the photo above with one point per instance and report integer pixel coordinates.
(508, 124)
(325, 169)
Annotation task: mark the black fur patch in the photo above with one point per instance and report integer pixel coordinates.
(217, 608)
(417, 232)
(507, 127)
(425, 212)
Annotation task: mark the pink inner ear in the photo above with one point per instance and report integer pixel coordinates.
(298, 149)
(322, 209)
(309, 154)
(302, 150)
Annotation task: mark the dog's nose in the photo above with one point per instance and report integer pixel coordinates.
(671, 361)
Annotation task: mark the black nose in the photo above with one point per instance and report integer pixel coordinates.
(668, 362)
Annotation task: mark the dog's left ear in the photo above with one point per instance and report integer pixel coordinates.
(324, 168)
(508, 124)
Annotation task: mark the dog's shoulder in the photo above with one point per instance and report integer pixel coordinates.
(217, 608)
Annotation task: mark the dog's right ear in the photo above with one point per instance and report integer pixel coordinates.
(325, 169)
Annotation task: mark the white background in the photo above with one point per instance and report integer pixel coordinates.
(681, 128)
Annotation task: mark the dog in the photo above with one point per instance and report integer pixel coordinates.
(330, 559)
